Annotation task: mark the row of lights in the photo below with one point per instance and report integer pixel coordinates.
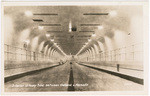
(48, 35)
(28, 41)
(89, 40)
(94, 35)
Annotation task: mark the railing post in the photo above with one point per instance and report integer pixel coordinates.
(118, 67)
(34, 57)
(30, 55)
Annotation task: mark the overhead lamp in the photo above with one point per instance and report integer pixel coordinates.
(27, 41)
(70, 26)
(47, 35)
(93, 35)
(89, 40)
(28, 13)
(52, 40)
(69, 29)
(100, 27)
(113, 13)
(40, 27)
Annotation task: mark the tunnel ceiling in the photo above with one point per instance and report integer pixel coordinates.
(84, 21)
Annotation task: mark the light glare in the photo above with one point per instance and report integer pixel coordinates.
(52, 40)
(28, 13)
(40, 27)
(70, 26)
(47, 35)
(113, 13)
(27, 41)
(89, 40)
(100, 27)
(93, 35)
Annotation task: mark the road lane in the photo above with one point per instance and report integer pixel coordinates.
(50, 78)
(83, 79)
(90, 79)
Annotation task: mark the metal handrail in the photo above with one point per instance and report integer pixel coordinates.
(17, 53)
(119, 53)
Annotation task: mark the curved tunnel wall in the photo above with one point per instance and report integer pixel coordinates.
(26, 45)
(29, 38)
(120, 44)
(118, 36)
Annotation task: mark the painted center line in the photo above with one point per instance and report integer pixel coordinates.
(71, 80)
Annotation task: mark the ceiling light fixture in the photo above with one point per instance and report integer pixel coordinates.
(28, 13)
(93, 35)
(27, 41)
(52, 40)
(48, 35)
(113, 13)
(70, 26)
(86, 43)
(100, 27)
(40, 27)
(89, 40)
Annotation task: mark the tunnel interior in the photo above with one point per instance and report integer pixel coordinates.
(105, 37)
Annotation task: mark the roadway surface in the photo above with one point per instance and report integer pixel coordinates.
(70, 77)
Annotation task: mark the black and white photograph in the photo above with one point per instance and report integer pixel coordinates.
(74, 48)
